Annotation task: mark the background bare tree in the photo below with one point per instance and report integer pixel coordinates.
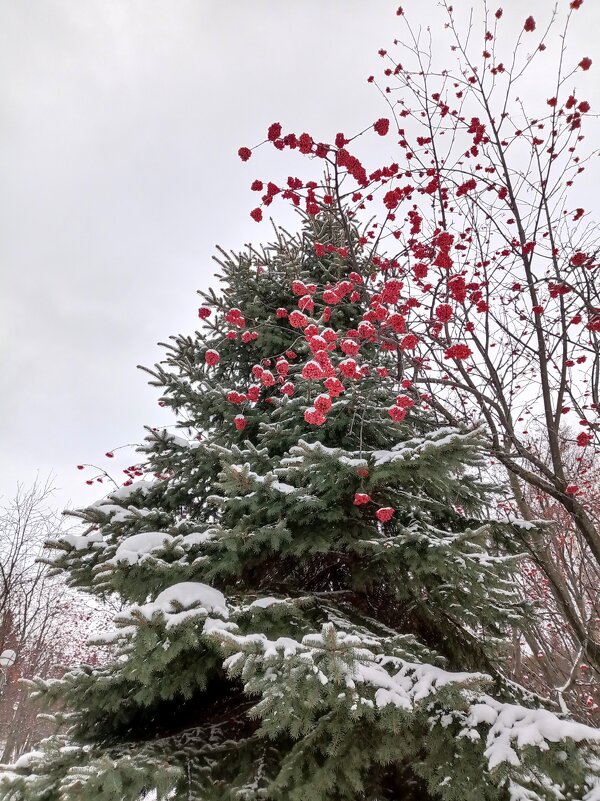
(548, 656)
(44, 622)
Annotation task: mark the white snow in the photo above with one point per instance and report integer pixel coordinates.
(414, 448)
(513, 726)
(281, 487)
(180, 442)
(177, 618)
(526, 525)
(118, 514)
(404, 684)
(25, 760)
(409, 685)
(180, 603)
(317, 447)
(269, 480)
(594, 792)
(82, 541)
(409, 450)
(212, 624)
(112, 636)
(264, 603)
(132, 548)
(125, 492)
(414, 682)
(199, 537)
(191, 593)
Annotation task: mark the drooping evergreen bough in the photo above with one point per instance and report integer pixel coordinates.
(317, 599)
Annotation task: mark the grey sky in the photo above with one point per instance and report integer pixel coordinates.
(119, 126)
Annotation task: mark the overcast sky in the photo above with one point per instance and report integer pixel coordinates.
(119, 126)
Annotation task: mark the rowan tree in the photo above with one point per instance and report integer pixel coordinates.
(476, 216)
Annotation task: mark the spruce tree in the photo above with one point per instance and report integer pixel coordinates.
(316, 596)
